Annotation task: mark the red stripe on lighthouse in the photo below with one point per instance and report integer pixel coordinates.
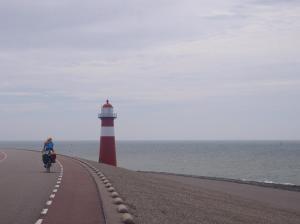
(107, 122)
(107, 150)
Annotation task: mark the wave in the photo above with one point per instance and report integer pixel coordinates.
(266, 181)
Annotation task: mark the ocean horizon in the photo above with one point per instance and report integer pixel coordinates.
(269, 161)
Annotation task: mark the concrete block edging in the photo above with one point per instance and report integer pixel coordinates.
(114, 208)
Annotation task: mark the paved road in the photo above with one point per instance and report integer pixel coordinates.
(77, 200)
(25, 189)
(24, 186)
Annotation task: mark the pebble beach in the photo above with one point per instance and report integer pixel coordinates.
(163, 198)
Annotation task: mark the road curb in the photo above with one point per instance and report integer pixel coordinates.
(114, 209)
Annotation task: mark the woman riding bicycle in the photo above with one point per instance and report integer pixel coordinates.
(47, 151)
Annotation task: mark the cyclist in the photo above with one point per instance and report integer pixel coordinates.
(48, 149)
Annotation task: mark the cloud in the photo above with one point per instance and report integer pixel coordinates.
(109, 25)
(272, 2)
(70, 56)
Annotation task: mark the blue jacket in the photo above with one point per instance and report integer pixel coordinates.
(48, 146)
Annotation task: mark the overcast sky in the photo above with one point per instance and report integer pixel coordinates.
(173, 69)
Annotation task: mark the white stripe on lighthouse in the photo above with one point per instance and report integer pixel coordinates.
(107, 131)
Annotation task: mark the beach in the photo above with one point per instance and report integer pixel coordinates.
(162, 198)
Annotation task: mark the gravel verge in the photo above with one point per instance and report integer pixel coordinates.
(160, 198)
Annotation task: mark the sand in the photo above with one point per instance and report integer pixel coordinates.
(165, 199)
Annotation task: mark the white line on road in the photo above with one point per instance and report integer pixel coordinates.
(49, 202)
(44, 212)
(39, 221)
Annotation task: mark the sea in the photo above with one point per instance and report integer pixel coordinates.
(261, 161)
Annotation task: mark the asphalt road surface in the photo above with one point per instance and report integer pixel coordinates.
(25, 189)
(24, 186)
(77, 199)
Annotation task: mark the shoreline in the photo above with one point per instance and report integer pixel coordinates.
(154, 197)
(270, 184)
(280, 186)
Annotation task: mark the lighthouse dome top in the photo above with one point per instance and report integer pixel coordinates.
(107, 105)
(107, 111)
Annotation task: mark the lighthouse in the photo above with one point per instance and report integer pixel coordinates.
(107, 141)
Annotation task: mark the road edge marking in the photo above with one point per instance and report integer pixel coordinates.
(39, 221)
(52, 195)
(44, 211)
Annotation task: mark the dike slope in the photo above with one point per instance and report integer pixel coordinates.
(161, 198)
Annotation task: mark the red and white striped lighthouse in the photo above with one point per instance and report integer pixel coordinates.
(107, 140)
